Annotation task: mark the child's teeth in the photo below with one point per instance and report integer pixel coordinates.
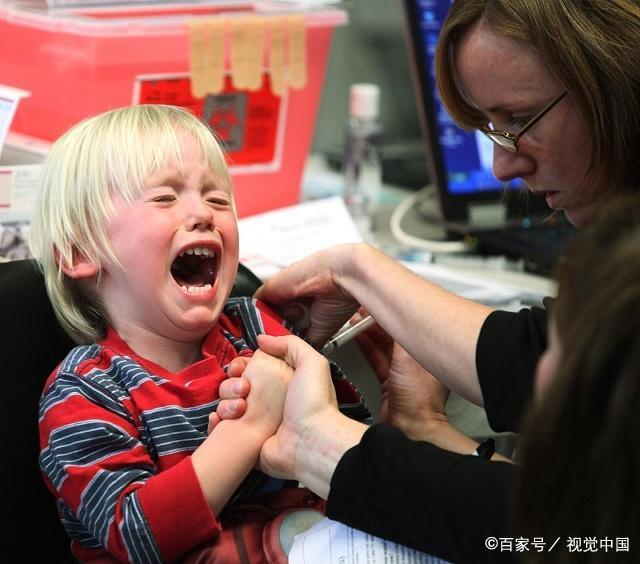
(199, 251)
(198, 289)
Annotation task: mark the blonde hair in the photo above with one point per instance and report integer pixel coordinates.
(590, 46)
(115, 152)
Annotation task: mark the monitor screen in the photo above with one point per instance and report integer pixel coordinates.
(466, 157)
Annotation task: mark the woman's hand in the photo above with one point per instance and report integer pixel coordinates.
(423, 317)
(314, 434)
(412, 399)
(315, 284)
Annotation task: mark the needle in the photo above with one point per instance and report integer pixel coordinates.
(347, 334)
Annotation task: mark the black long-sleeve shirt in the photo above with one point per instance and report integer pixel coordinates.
(436, 501)
(507, 353)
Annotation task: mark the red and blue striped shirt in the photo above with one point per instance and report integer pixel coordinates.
(117, 432)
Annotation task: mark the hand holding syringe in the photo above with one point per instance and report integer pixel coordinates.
(346, 334)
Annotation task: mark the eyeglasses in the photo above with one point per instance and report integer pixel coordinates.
(509, 141)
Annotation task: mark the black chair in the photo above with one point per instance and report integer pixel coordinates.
(32, 343)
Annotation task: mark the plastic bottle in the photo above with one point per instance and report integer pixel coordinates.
(362, 168)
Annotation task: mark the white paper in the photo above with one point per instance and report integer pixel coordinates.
(272, 240)
(9, 98)
(18, 191)
(330, 542)
(471, 287)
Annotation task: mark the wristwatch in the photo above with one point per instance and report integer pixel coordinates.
(486, 449)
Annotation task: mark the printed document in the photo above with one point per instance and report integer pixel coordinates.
(330, 542)
(272, 240)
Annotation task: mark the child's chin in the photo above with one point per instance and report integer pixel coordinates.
(198, 326)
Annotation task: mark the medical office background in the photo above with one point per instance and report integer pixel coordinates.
(369, 48)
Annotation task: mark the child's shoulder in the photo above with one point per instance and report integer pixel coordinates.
(96, 362)
(79, 357)
(74, 367)
(257, 316)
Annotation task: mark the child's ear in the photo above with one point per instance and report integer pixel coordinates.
(81, 266)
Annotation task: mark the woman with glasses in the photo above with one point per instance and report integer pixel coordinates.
(555, 84)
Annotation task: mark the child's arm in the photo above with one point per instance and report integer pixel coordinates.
(232, 450)
(112, 493)
(116, 497)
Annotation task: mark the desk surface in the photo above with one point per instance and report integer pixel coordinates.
(492, 269)
(320, 181)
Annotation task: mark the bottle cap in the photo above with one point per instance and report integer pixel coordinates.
(364, 99)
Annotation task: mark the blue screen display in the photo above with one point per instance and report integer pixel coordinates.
(467, 155)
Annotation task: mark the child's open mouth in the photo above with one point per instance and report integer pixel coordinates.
(195, 269)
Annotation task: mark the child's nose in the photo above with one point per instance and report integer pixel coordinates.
(200, 217)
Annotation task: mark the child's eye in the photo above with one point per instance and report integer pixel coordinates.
(164, 198)
(218, 200)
